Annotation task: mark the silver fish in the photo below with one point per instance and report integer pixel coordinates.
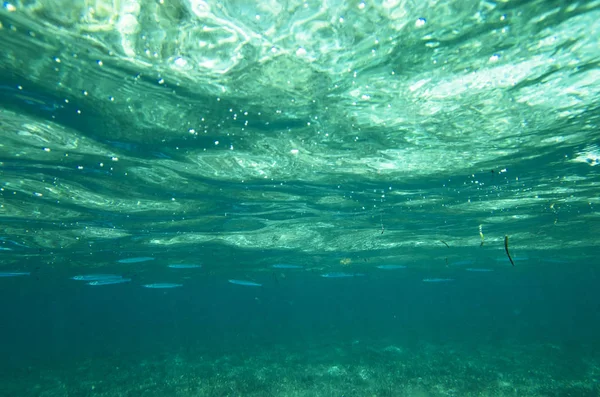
(437, 280)
(390, 267)
(95, 277)
(109, 281)
(14, 274)
(286, 266)
(246, 283)
(184, 266)
(136, 259)
(162, 285)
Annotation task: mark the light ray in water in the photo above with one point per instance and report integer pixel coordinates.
(390, 267)
(246, 283)
(184, 266)
(286, 266)
(479, 270)
(136, 260)
(109, 281)
(96, 277)
(14, 274)
(162, 285)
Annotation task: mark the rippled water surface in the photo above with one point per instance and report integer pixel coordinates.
(443, 156)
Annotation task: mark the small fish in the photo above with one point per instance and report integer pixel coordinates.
(246, 283)
(285, 266)
(109, 281)
(162, 285)
(341, 275)
(184, 266)
(136, 260)
(390, 267)
(14, 274)
(437, 280)
(95, 277)
(479, 269)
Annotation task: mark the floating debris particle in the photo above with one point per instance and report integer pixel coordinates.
(345, 261)
(481, 234)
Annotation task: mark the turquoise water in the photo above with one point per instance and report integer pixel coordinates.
(299, 198)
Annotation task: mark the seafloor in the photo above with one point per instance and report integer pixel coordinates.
(351, 369)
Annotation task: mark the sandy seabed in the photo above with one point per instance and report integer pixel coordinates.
(345, 370)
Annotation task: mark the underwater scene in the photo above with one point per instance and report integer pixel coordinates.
(299, 198)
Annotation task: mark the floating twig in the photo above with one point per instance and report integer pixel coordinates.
(506, 249)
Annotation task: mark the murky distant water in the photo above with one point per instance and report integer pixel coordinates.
(320, 197)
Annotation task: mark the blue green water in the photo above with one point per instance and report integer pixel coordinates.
(299, 198)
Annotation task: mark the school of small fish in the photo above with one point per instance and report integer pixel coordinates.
(103, 279)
